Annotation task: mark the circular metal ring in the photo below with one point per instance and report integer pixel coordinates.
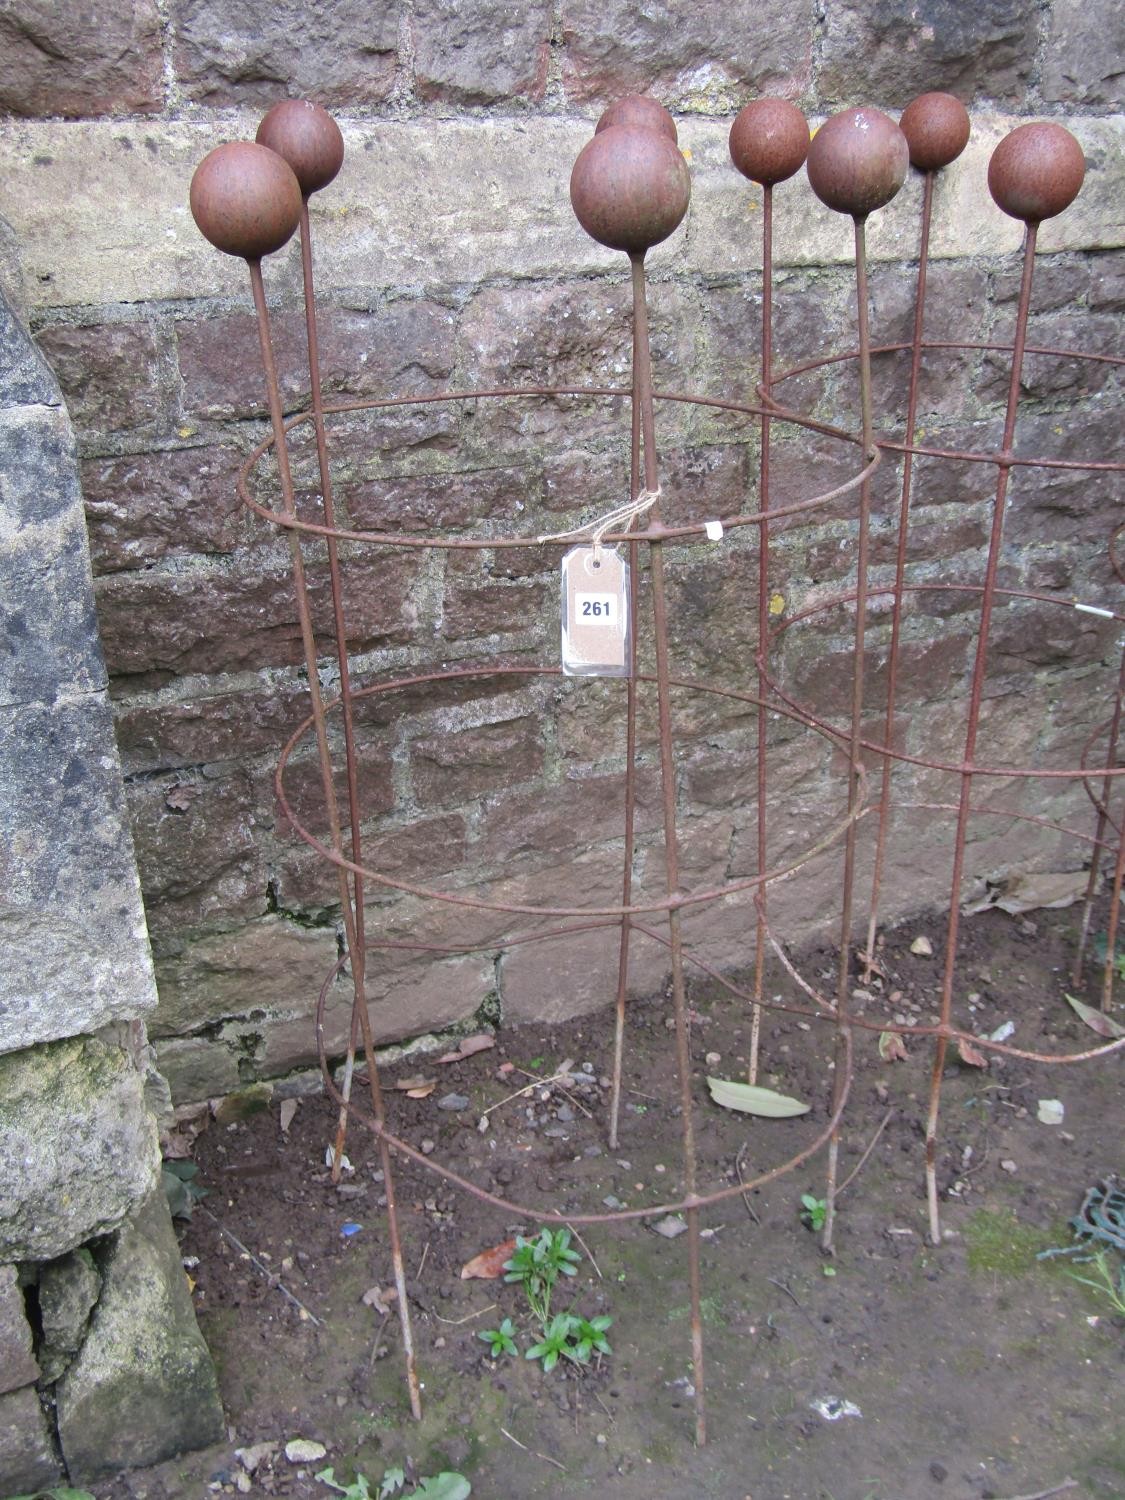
(675, 902)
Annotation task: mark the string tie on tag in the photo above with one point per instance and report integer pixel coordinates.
(620, 518)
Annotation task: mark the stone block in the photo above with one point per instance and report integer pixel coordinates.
(405, 1000)
(17, 1362)
(442, 503)
(405, 348)
(25, 377)
(255, 53)
(264, 965)
(454, 766)
(68, 1290)
(72, 926)
(478, 603)
(560, 978)
(78, 1148)
(490, 53)
(29, 1461)
(155, 625)
(1082, 56)
(198, 850)
(101, 59)
(197, 1068)
(143, 1387)
(46, 613)
(398, 214)
(700, 58)
(571, 816)
(112, 376)
(895, 50)
(149, 506)
(203, 730)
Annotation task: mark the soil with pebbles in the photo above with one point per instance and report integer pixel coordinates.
(974, 1369)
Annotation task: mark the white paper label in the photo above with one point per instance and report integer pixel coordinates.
(595, 613)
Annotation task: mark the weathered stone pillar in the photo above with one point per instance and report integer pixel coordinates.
(84, 1227)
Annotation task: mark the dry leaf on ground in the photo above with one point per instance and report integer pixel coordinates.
(489, 1264)
(468, 1047)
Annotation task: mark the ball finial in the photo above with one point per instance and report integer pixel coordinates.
(639, 112)
(308, 138)
(769, 141)
(1036, 171)
(858, 161)
(245, 199)
(629, 188)
(936, 127)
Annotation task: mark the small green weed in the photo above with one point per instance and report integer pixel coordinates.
(1105, 1284)
(814, 1211)
(445, 1486)
(538, 1264)
(62, 1492)
(502, 1340)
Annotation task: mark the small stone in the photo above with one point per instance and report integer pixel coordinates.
(439, 1342)
(428, 1147)
(564, 1113)
(600, 1439)
(626, 1166)
(921, 947)
(251, 1457)
(938, 1472)
(1050, 1112)
(483, 1125)
(612, 1201)
(712, 1058)
(1008, 1165)
(304, 1451)
(454, 1102)
(670, 1227)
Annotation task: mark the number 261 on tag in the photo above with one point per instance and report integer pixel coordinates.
(601, 608)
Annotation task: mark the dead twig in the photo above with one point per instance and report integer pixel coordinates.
(422, 1262)
(532, 1451)
(745, 1195)
(1067, 1484)
(468, 1318)
(536, 1082)
(791, 1295)
(862, 1162)
(271, 1276)
(378, 1344)
(605, 1408)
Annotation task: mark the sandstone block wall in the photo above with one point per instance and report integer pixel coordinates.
(448, 258)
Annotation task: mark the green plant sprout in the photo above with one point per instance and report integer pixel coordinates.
(813, 1212)
(538, 1263)
(502, 1339)
(1105, 1285)
(61, 1492)
(556, 1342)
(590, 1337)
(444, 1486)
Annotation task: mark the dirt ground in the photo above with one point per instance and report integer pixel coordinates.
(977, 1370)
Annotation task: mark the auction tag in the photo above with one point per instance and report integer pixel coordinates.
(595, 613)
